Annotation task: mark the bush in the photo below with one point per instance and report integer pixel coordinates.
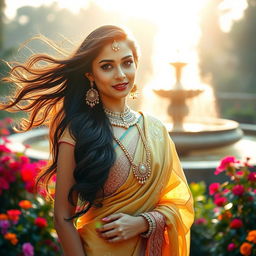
(26, 223)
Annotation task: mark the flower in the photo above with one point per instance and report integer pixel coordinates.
(25, 204)
(11, 237)
(220, 201)
(225, 163)
(252, 176)
(28, 249)
(13, 215)
(200, 221)
(246, 249)
(41, 222)
(213, 188)
(3, 216)
(4, 225)
(251, 236)
(236, 223)
(231, 247)
(238, 190)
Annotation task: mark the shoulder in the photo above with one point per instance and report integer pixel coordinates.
(66, 137)
(152, 121)
(155, 127)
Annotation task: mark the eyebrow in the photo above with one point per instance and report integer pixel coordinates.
(128, 56)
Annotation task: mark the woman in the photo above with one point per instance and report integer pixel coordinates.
(120, 189)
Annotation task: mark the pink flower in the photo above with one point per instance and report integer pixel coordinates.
(225, 163)
(213, 188)
(41, 222)
(238, 190)
(220, 201)
(240, 173)
(252, 176)
(231, 247)
(4, 224)
(3, 148)
(236, 223)
(5, 140)
(28, 249)
(200, 221)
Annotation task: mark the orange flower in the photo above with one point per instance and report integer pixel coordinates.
(246, 249)
(3, 216)
(11, 237)
(251, 236)
(25, 204)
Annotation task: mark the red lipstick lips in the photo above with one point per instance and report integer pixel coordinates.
(121, 86)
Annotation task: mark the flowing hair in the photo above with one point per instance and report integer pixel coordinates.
(53, 95)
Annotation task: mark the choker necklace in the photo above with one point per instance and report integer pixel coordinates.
(122, 119)
(141, 171)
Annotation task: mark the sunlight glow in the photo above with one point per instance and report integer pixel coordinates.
(177, 36)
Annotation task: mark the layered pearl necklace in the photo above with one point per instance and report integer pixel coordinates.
(141, 171)
(122, 119)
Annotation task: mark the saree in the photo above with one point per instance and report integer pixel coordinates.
(165, 191)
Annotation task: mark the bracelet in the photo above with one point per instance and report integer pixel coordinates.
(151, 224)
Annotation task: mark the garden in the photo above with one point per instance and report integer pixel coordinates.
(225, 220)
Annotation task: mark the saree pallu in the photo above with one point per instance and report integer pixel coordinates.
(166, 191)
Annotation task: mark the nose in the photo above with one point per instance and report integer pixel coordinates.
(120, 75)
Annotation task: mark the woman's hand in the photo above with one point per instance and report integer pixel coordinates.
(120, 227)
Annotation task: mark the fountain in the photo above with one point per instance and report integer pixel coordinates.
(211, 134)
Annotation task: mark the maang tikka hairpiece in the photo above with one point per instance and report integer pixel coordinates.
(115, 46)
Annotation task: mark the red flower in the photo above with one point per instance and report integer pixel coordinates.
(24, 159)
(4, 184)
(238, 190)
(252, 176)
(236, 223)
(220, 201)
(28, 172)
(14, 215)
(225, 163)
(41, 222)
(231, 247)
(213, 188)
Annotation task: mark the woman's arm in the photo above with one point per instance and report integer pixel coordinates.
(68, 235)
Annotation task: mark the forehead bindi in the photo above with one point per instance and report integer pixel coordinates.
(108, 53)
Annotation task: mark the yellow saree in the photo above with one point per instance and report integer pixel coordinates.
(166, 191)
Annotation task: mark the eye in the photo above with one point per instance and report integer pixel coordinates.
(106, 66)
(128, 63)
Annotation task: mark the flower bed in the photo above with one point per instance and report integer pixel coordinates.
(26, 223)
(225, 219)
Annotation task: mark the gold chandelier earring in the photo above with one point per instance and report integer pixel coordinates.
(134, 92)
(92, 96)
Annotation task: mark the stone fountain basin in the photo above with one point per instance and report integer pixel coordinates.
(208, 134)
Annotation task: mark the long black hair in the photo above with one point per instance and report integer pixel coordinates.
(54, 96)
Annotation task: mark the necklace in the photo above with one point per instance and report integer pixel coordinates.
(141, 171)
(122, 119)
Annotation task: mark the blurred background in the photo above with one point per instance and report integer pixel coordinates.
(197, 73)
(215, 37)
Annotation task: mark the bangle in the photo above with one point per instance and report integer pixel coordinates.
(151, 224)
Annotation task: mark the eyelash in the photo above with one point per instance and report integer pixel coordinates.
(108, 66)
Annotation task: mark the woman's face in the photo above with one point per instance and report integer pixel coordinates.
(114, 72)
